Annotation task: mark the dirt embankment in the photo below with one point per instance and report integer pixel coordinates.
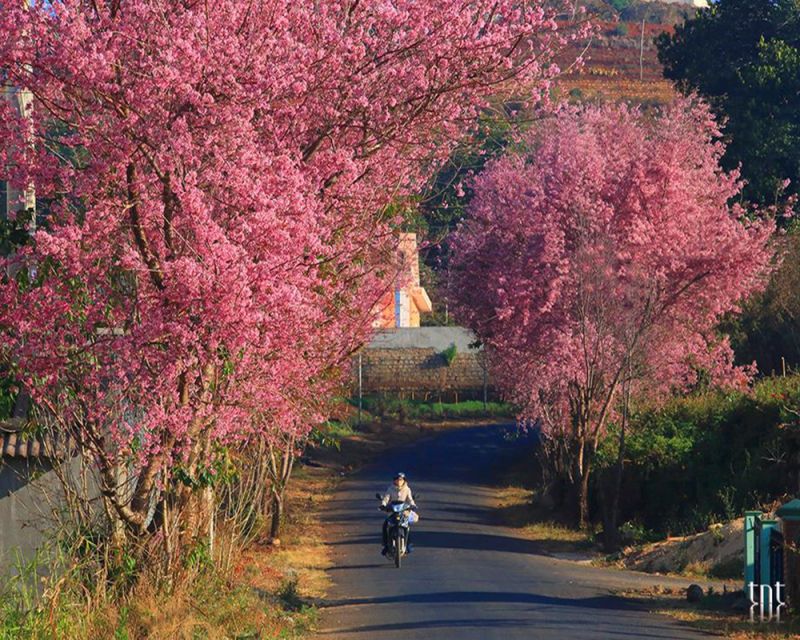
(717, 553)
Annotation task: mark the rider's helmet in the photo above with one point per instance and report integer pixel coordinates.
(399, 476)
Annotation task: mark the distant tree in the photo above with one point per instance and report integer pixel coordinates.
(619, 5)
(768, 329)
(443, 202)
(587, 268)
(445, 199)
(743, 56)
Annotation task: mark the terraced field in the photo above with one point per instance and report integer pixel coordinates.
(612, 70)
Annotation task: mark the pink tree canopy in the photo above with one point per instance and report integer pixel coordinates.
(216, 178)
(607, 252)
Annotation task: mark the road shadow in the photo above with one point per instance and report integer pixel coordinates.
(564, 628)
(491, 597)
(459, 540)
(353, 567)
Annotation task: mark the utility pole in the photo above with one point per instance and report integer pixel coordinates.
(641, 53)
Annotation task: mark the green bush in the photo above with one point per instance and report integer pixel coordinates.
(8, 396)
(706, 458)
(449, 354)
(619, 5)
(576, 94)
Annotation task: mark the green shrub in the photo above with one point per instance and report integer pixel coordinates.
(8, 396)
(449, 354)
(619, 5)
(424, 410)
(706, 458)
(331, 433)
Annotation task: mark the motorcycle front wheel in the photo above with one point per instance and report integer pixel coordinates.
(398, 547)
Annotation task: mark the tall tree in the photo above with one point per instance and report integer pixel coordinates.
(217, 228)
(585, 266)
(743, 56)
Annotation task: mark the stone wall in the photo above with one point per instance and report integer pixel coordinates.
(412, 362)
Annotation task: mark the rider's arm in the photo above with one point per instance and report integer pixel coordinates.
(410, 499)
(387, 495)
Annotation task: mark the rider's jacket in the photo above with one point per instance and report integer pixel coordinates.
(395, 494)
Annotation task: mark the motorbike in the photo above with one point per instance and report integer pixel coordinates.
(399, 518)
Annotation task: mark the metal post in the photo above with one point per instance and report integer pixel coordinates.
(360, 394)
(750, 544)
(485, 385)
(765, 561)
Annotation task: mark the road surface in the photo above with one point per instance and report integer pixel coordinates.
(467, 578)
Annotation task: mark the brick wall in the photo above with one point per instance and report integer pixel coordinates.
(411, 361)
(420, 370)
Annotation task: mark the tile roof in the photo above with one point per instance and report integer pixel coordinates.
(17, 441)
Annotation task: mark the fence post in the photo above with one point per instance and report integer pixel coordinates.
(485, 385)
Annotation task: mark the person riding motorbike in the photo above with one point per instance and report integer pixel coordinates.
(398, 491)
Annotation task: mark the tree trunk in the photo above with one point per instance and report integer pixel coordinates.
(611, 536)
(583, 497)
(611, 530)
(277, 514)
(281, 463)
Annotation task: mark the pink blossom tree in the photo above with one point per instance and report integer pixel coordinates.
(602, 256)
(215, 179)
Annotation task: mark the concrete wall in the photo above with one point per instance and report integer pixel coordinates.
(23, 508)
(29, 491)
(410, 361)
(437, 338)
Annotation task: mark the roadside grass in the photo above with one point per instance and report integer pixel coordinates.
(302, 554)
(270, 592)
(249, 602)
(713, 614)
(406, 409)
(516, 509)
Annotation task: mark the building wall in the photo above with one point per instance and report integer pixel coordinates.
(29, 490)
(398, 307)
(12, 199)
(410, 361)
(23, 518)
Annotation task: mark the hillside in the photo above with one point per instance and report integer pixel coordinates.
(618, 63)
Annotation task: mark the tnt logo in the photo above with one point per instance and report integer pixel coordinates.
(767, 607)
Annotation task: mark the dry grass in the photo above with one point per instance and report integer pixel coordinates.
(714, 614)
(270, 590)
(302, 552)
(611, 70)
(516, 509)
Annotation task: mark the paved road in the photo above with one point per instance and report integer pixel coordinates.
(466, 579)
